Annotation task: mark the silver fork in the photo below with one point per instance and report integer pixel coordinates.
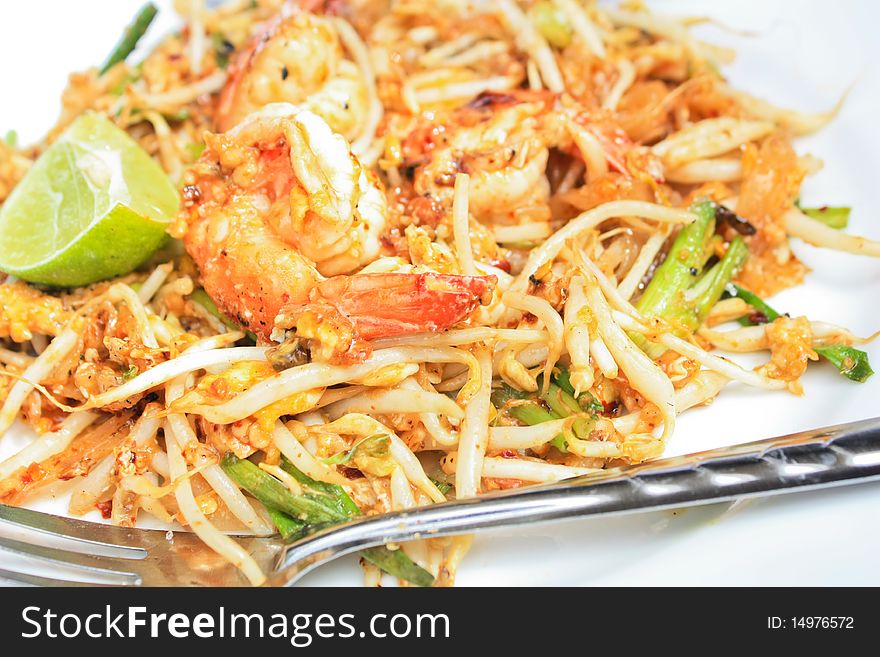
(842, 454)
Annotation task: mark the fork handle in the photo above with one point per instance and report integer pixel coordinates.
(819, 458)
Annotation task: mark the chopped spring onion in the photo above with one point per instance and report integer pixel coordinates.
(129, 40)
(201, 297)
(552, 23)
(271, 492)
(223, 49)
(586, 400)
(289, 528)
(851, 362)
(833, 217)
(558, 402)
(680, 291)
(295, 515)
(331, 492)
(369, 441)
(443, 486)
(767, 314)
(705, 294)
(398, 564)
(195, 150)
(665, 294)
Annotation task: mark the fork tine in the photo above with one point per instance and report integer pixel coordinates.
(113, 540)
(148, 557)
(37, 580)
(105, 569)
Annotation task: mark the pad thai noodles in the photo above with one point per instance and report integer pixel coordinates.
(424, 250)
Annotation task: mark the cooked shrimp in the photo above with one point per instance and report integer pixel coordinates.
(297, 59)
(503, 141)
(498, 139)
(279, 202)
(345, 311)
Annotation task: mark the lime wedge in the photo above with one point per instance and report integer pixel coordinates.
(95, 205)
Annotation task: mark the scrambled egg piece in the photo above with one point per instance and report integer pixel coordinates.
(243, 376)
(791, 348)
(24, 310)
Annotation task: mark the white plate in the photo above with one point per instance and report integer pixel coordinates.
(805, 55)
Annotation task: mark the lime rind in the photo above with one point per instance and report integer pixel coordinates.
(94, 206)
(105, 250)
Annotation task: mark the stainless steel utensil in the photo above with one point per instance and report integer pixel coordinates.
(819, 458)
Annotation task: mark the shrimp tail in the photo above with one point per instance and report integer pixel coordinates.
(356, 309)
(385, 305)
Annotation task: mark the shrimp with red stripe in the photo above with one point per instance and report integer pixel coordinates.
(280, 216)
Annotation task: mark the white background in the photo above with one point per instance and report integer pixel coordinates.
(804, 53)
